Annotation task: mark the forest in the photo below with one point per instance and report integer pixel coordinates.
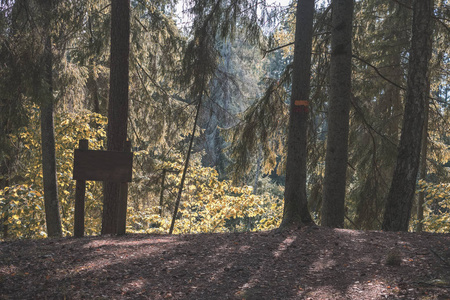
(243, 115)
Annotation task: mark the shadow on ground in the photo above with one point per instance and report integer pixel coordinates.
(308, 263)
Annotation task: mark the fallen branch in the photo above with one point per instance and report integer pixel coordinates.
(440, 257)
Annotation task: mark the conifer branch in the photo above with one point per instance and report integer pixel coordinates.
(354, 56)
(278, 48)
(440, 20)
(152, 80)
(403, 4)
(292, 43)
(353, 223)
(378, 72)
(387, 79)
(323, 15)
(438, 111)
(359, 111)
(442, 23)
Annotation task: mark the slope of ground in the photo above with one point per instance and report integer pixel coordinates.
(308, 263)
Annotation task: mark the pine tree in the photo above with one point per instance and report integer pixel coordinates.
(296, 210)
(373, 140)
(400, 197)
(333, 206)
(52, 210)
(118, 104)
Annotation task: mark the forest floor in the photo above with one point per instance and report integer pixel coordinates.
(307, 263)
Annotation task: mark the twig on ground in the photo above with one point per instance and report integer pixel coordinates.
(440, 257)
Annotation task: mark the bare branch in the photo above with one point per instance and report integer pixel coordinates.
(378, 72)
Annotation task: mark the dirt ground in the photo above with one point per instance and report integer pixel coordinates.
(307, 263)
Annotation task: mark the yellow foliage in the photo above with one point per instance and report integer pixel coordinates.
(208, 204)
(23, 204)
(436, 206)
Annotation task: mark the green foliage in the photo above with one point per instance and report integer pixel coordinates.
(22, 204)
(263, 126)
(208, 204)
(436, 206)
(378, 81)
(161, 120)
(22, 211)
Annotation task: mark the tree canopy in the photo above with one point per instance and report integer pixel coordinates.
(236, 58)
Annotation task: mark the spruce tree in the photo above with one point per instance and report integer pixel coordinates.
(333, 206)
(118, 105)
(52, 210)
(401, 193)
(296, 210)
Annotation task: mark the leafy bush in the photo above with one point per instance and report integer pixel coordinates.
(436, 206)
(22, 205)
(207, 205)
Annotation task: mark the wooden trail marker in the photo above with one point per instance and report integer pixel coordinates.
(80, 192)
(94, 165)
(122, 221)
(97, 165)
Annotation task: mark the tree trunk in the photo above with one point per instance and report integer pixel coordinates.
(91, 83)
(161, 195)
(296, 210)
(93, 92)
(258, 171)
(401, 194)
(4, 182)
(52, 211)
(186, 165)
(118, 105)
(423, 164)
(333, 209)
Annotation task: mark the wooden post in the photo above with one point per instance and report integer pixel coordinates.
(113, 166)
(4, 221)
(122, 207)
(80, 191)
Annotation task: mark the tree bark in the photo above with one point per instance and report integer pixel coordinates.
(51, 202)
(118, 105)
(401, 193)
(333, 209)
(4, 182)
(258, 171)
(161, 194)
(296, 210)
(92, 86)
(423, 164)
(80, 197)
